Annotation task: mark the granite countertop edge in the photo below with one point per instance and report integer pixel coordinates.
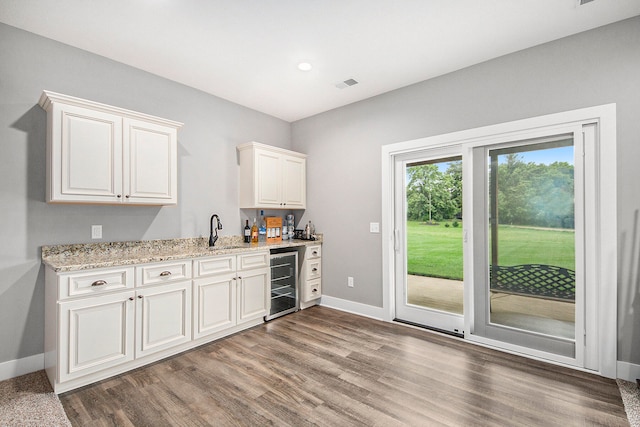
(77, 257)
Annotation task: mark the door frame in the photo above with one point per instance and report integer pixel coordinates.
(604, 255)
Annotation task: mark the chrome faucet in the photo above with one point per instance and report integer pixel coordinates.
(212, 238)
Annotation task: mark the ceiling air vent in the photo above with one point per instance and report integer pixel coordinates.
(346, 83)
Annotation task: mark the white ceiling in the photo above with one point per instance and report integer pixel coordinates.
(247, 51)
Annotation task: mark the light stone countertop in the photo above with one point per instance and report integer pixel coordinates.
(84, 256)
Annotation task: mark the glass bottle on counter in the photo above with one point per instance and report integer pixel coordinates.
(309, 231)
(262, 231)
(254, 232)
(247, 233)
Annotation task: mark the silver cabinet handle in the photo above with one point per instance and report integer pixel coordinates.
(99, 283)
(165, 273)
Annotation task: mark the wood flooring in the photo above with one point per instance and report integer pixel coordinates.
(329, 368)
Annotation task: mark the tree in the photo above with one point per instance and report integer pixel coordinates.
(454, 173)
(513, 188)
(535, 194)
(431, 194)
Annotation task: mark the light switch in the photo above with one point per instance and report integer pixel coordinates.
(96, 232)
(374, 227)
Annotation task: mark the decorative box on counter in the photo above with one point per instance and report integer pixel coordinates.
(274, 229)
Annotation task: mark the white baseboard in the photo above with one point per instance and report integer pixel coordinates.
(26, 365)
(628, 371)
(353, 307)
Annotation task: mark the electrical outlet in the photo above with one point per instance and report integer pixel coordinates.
(374, 227)
(96, 232)
(350, 282)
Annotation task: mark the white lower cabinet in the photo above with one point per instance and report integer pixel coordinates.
(95, 333)
(311, 276)
(228, 291)
(253, 296)
(163, 317)
(102, 322)
(214, 303)
(105, 321)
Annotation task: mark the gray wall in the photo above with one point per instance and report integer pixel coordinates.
(207, 180)
(593, 68)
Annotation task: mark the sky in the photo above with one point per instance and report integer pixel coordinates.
(548, 156)
(561, 154)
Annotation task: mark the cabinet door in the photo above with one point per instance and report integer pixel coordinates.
(214, 304)
(267, 179)
(150, 163)
(95, 333)
(163, 317)
(252, 294)
(294, 186)
(85, 152)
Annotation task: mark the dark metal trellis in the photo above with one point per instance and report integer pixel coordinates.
(544, 281)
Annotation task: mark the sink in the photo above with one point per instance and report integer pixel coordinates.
(225, 247)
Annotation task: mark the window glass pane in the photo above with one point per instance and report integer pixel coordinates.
(434, 234)
(532, 237)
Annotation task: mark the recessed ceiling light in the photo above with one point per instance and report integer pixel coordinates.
(304, 66)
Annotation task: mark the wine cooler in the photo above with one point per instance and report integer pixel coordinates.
(284, 284)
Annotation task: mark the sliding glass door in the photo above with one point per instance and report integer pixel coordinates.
(531, 267)
(429, 284)
(530, 194)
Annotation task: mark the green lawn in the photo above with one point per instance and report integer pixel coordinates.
(435, 250)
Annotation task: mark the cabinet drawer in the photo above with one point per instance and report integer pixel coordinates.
(165, 272)
(311, 290)
(313, 252)
(90, 282)
(314, 269)
(216, 265)
(253, 260)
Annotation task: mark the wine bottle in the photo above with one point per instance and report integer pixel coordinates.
(247, 233)
(254, 232)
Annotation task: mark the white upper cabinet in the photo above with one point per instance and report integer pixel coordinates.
(150, 163)
(272, 177)
(101, 154)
